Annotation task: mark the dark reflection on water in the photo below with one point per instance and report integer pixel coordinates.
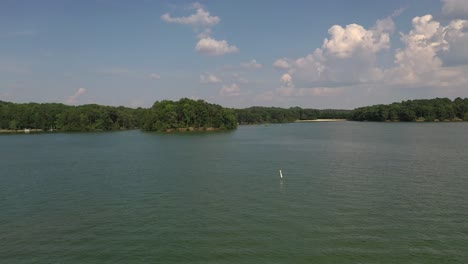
(352, 193)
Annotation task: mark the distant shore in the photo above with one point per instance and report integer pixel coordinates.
(18, 131)
(192, 129)
(320, 120)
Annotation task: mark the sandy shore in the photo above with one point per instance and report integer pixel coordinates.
(321, 120)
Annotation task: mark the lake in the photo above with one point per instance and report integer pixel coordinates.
(352, 193)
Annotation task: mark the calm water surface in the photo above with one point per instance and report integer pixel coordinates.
(353, 193)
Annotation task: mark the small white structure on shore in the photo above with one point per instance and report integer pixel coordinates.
(27, 130)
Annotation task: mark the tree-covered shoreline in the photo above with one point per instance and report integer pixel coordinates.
(60, 117)
(188, 115)
(422, 110)
(260, 115)
(166, 116)
(198, 115)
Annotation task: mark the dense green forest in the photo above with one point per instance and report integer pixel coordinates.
(438, 109)
(166, 115)
(187, 114)
(52, 116)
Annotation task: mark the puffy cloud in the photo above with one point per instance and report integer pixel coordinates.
(286, 80)
(455, 8)
(253, 64)
(201, 18)
(213, 47)
(281, 64)
(209, 78)
(420, 53)
(74, 98)
(344, 42)
(347, 57)
(154, 76)
(202, 21)
(232, 90)
(421, 61)
(431, 57)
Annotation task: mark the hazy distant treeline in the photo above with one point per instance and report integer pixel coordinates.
(258, 115)
(415, 110)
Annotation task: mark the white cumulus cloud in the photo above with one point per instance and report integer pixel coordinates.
(201, 18)
(433, 56)
(213, 47)
(345, 41)
(348, 56)
(421, 61)
(281, 64)
(286, 80)
(202, 22)
(73, 99)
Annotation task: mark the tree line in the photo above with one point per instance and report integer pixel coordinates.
(53, 116)
(166, 115)
(259, 115)
(187, 114)
(438, 109)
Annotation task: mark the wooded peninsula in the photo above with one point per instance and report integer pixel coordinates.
(198, 115)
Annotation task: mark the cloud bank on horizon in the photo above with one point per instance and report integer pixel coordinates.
(349, 58)
(354, 64)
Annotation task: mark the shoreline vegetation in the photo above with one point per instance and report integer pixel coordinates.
(188, 115)
(427, 110)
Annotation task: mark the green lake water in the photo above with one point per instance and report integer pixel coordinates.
(352, 193)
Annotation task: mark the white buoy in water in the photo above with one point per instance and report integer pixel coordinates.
(281, 174)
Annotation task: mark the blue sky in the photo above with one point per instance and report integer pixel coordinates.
(318, 54)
